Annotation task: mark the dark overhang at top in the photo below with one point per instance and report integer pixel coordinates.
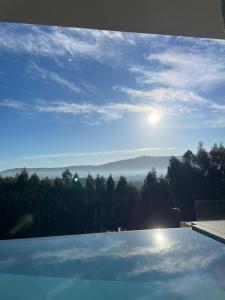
(198, 18)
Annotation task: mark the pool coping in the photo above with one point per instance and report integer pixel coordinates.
(212, 229)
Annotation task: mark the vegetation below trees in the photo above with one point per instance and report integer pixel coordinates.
(31, 207)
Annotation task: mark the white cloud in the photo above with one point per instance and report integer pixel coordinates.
(13, 104)
(65, 43)
(180, 79)
(163, 95)
(140, 151)
(183, 69)
(107, 112)
(173, 80)
(37, 71)
(218, 107)
(93, 114)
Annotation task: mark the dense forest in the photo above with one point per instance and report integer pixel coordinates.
(30, 206)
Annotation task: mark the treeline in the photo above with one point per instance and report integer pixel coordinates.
(30, 206)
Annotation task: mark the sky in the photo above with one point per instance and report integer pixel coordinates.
(72, 96)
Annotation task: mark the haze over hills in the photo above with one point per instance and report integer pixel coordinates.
(135, 168)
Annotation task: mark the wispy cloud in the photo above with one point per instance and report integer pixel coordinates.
(97, 153)
(65, 43)
(182, 71)
(181, 79)
(166, 95)
(218, 107)
(102, 113)
(45, 74)
(173, 77)
(188, 70)
(107, 112)
(93, 114)
(13, 104)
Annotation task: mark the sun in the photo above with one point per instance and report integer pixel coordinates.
(154, 118)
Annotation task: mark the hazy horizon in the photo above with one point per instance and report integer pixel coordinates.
(92, 165)
(135, 169)
(87, 97)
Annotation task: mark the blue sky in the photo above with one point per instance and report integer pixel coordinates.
(77, 96)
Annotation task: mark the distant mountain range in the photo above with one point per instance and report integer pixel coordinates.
(133, 168)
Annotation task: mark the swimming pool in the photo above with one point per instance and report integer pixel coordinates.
(151, 264)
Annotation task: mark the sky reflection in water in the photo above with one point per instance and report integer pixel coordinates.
(151, 264)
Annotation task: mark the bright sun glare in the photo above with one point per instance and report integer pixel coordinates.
(154, 118)
(160, 239)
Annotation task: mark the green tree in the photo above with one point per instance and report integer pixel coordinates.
(150, 195)
(67, 176)
(89, 188)
(110, 187)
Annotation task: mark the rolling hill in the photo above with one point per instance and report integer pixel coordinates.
(132, 168)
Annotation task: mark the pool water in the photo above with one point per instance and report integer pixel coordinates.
(151, 264)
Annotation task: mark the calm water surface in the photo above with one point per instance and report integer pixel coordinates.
(152, 264)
